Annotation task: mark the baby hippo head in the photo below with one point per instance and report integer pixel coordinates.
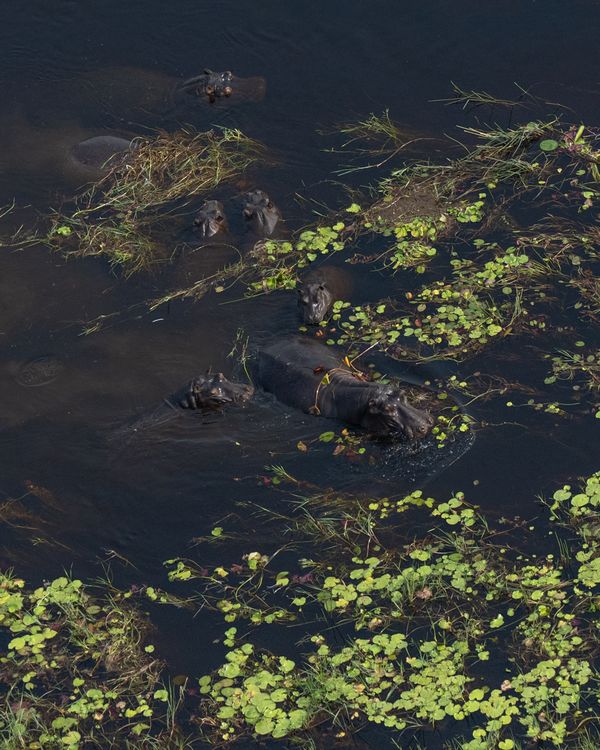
(211, 219)
(213, 392)
(390, 414)
(261, 214)
(314, 302)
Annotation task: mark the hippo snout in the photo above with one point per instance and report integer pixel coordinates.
(311, 317)
(418, 426)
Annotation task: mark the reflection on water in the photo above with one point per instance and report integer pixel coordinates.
(122, 477)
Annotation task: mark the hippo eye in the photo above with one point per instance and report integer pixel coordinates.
(227, 74)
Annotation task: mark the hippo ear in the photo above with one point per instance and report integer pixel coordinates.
(219, 377)
(322, 287)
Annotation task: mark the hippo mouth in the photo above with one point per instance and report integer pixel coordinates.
(411, 434)
(413, 429)
(208, 227)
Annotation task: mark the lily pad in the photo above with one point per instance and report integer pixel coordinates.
(549, 144)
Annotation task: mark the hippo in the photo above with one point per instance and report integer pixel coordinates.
(319, 289)
(64, 158)
(211, 392)
(309, 376)
(261, 214)
(218, 248)
(215, 86)
(312, 377)
(94, 156)
(210, 219)
(126, 96)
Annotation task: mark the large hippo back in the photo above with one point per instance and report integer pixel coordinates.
(292, 369)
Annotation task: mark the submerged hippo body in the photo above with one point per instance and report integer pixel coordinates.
(93, 157)
(310, 376)
(64, 157)
(98, 151)
(132, 95)
(319, 289)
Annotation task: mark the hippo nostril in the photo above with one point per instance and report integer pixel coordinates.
(227, 91)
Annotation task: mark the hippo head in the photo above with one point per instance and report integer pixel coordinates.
(314, 302)
(389, 414)
(210, 84)
(261, 215)
(211, 219)
(211, 87)
(213, 392)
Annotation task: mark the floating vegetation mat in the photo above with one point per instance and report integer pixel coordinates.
(122, 217)
(76, 667)
(400, 630)
(457, 625)
(474, 275)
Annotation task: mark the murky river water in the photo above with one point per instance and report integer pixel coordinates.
(144, 494)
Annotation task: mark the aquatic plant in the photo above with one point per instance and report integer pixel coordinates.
(121, 217)
(397, 630)
(480, 98)
(581, 368)
(407, 624)
(77, 667)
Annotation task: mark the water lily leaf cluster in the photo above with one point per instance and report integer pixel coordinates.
(75, 667)
(408, 626)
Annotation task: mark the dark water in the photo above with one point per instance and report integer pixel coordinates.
(143, 494)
